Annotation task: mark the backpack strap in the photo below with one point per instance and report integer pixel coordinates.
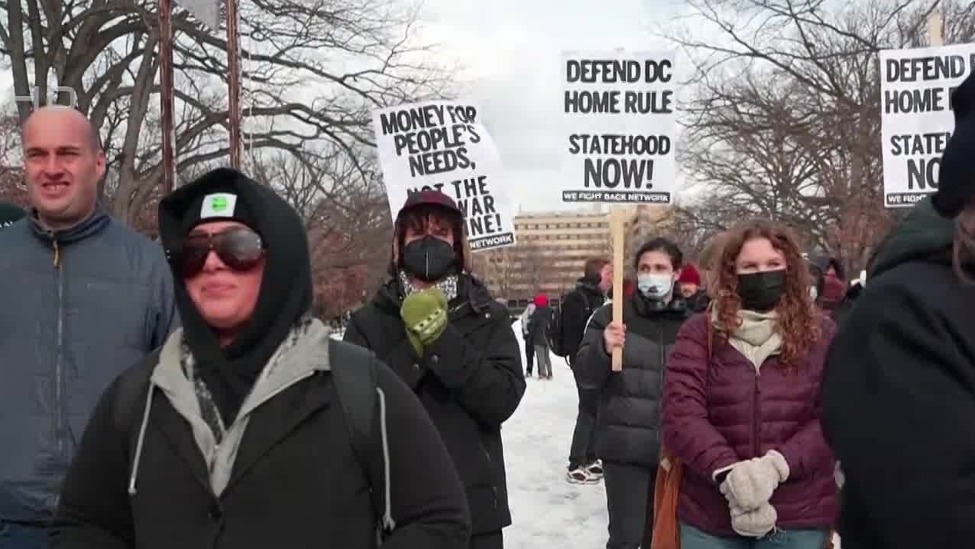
(363, 402)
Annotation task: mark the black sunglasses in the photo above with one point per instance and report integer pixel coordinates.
(239, 248)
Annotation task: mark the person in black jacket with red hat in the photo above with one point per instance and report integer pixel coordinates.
(899, 387)
(440, 329)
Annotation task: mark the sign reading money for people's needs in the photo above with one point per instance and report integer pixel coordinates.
(443, 145)
(619, 127)
(916, 116)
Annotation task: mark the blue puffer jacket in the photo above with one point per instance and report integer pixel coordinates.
(76, 308)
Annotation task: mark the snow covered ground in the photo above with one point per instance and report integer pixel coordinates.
(546, 510)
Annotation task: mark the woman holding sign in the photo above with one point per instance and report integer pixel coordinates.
(439, 328)
(742, 403)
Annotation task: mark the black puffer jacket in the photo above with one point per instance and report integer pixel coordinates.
(470, 381)
(627, 428)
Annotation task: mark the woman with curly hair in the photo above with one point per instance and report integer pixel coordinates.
(742, 406)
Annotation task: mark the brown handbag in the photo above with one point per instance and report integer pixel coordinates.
(666, 490)
(666, 528)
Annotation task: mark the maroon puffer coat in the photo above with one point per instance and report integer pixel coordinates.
(738, 415)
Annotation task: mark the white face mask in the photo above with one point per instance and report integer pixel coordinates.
(813, 292)
(655, 286)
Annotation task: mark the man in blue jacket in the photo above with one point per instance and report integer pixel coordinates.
(84, 297)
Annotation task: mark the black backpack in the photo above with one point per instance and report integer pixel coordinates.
(362, 401)
(556, 330)
(553, 333)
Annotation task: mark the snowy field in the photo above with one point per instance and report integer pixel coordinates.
(546, 510)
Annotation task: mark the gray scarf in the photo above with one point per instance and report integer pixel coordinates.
(448, 286)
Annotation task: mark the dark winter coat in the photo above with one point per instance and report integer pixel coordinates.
(899, 396)
(698, 303)
(628, 422)
(576, 308)
(721, 411)
(538, 326)
(140, 479)
(471, 381)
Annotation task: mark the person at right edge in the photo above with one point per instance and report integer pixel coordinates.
(742, 407)
(439, 328)
(899, 392)
(628, 418)
(233, 435)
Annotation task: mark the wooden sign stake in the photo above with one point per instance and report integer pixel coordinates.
(617, 224)
(935, 36)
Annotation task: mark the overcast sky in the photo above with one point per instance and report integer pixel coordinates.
(510, 50)
(510, 53)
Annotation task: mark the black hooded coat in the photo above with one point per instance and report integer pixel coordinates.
(145, 477)
(899, 396)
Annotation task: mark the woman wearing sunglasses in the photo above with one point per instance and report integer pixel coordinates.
(231, 435)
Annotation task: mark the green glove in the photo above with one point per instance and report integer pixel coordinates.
(425, 316)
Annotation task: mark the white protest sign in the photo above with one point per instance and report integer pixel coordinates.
(916, 117)
(619, 127)
(443, 145)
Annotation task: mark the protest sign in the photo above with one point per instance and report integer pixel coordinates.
(619, 127)
(916, 117)
(443, 145)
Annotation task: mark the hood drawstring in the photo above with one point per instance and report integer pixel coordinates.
(388, 523)
(141, 440)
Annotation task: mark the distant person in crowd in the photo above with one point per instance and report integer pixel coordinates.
(577, 306)
(742, 403)
(853, 293)
(705, 260)
(899, 393)
(691, 290)
(833, 286)
(440, 329)
(230, 436)
(628, 418)
(84, 297)
(537, 335)
(529, 348)
(10, 213)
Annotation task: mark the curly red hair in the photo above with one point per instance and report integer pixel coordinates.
(799, 320)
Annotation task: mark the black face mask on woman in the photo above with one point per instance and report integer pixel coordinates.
(429, 259)
(762, 291)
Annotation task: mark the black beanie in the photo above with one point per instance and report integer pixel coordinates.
(10, 214)
(286, 289)
(956, 180)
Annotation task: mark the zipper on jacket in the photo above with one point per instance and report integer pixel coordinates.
(755, 417)
(59, 430)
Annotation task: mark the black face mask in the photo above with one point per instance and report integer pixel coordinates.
(428, 259)
(761, 292)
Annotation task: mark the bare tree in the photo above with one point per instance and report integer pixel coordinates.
(314, 70)
(347, 220)
(785, 121)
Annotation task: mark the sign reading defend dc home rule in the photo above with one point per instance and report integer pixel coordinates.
(619, 127)
(443, 145)
(916, 116)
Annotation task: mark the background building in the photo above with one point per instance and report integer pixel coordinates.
(553, 248)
